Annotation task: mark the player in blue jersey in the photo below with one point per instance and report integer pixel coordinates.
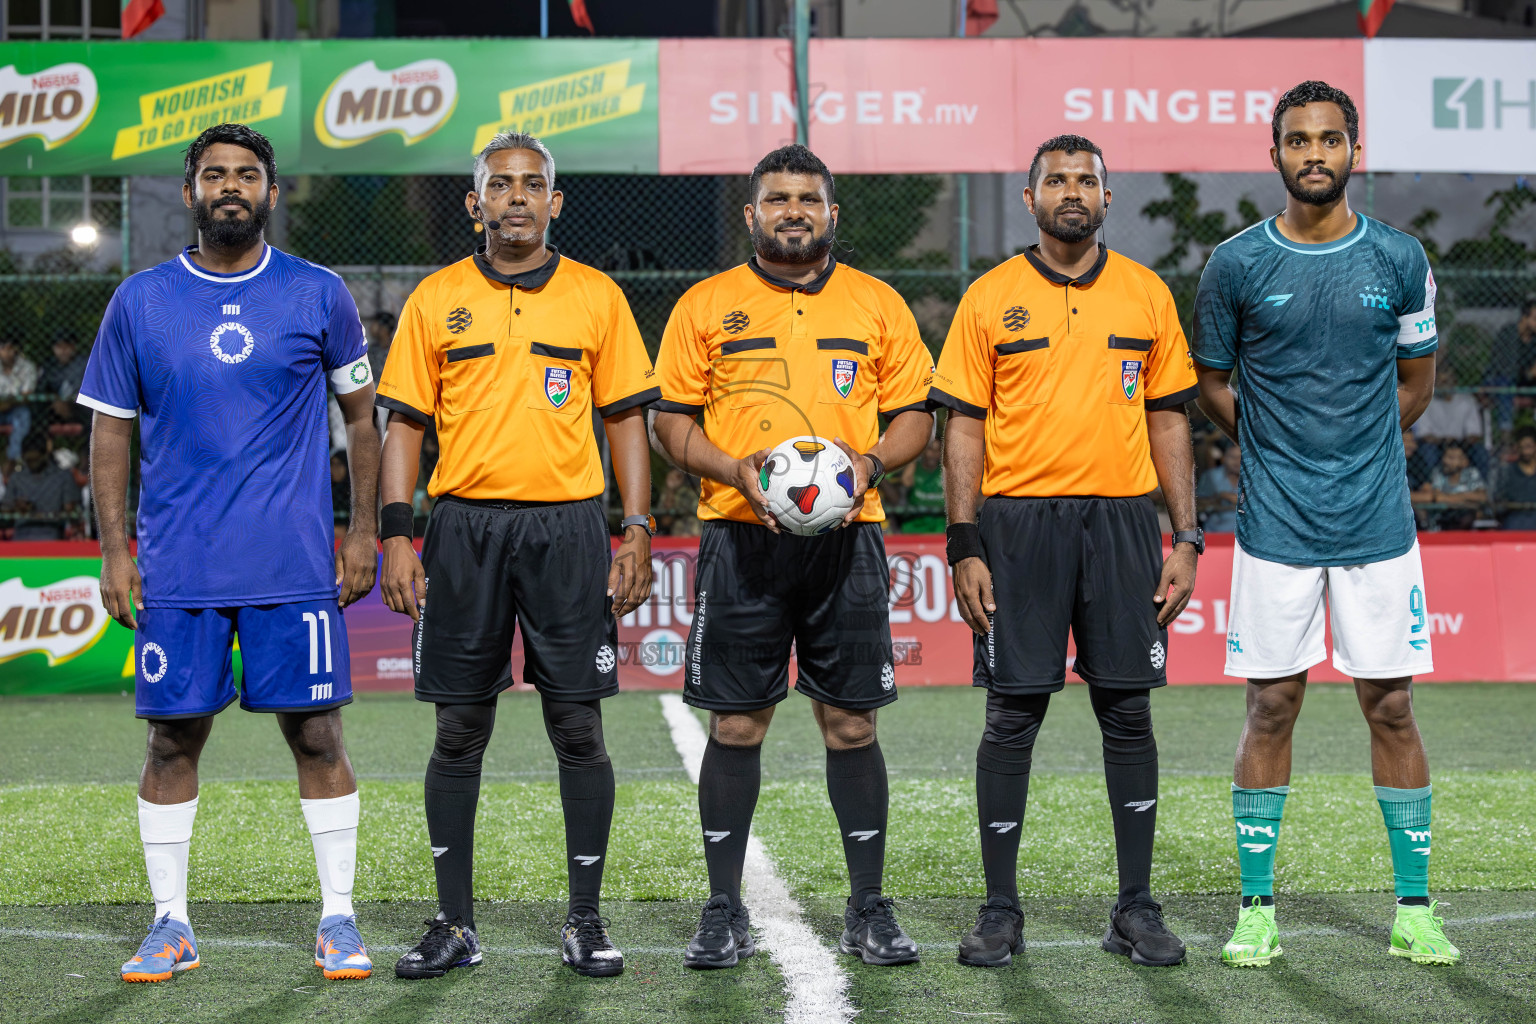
(1314, 344)
(224, 353)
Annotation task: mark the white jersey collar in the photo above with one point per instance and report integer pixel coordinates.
(208, 275)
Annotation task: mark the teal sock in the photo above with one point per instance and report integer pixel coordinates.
(1406, 813)
(1258, 832)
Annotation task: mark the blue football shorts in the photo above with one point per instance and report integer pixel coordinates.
(294, 658)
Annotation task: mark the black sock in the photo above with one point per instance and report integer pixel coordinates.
(451, 802)
(1130, 775)
(587, 797)
(1413, 901)
(1002, 788)
(452, 794)
(861, 799)
(729, 778)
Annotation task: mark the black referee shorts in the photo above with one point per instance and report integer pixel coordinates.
(757, 591)
(1090, 565)
(492, 566)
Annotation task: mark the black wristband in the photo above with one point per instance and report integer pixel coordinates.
(397, 519)
(962, 541)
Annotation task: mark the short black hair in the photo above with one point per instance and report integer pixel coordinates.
(1068, 144)
(35, 442)
(1525, 432)
(386, 318)
(1313, 91)
(791, 159)
(234, 135)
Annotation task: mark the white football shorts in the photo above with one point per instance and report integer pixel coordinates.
(1378, 613)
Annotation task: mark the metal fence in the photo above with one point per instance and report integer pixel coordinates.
(657, 236)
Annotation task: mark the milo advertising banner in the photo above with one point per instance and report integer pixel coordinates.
(113, 108)
(330, 107)
(55, 636)
(427, 106)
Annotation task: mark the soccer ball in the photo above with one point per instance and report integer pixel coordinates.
(809, 485)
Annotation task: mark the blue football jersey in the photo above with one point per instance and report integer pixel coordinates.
(228, 372)
(1313, 334)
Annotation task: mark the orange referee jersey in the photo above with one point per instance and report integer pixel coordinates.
(766, 359)
(510, 367)
(1063, 371)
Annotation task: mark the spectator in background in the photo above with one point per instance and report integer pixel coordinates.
(341, 493)
(1217, 493)
(676, 504)
(1513, 360)
(1419, 469)
(39, 486)
(923, 481)
(60, 380)
(1453, 417)
(1458, 483)
(18, 379)
(1516, 482)
(381, 332)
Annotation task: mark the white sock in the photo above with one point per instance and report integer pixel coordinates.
(333, 829)
(166, 831)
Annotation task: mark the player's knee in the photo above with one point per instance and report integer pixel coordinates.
(174, 746)
(1125, 723)
(1013, 721)
(1391, 712)
(737, 730)
(576, 732)
(317, 739)
(463, 730)
(1272, 711)
(847, 730)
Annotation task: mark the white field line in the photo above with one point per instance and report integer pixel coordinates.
(816, 986)
(236, 942)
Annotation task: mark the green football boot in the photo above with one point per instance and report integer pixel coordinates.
(1256, 940)
(1420, 936)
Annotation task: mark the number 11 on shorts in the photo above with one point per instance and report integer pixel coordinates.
(324, 619)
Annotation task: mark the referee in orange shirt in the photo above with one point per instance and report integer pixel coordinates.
(791, 343)
(508, 352)
(1066, 375)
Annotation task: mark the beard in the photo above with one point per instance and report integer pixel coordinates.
(1071, 234)
(1326, 196)
(812, 249)
(231, 232)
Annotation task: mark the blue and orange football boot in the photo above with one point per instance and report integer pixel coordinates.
(168, 948)
(339, 949)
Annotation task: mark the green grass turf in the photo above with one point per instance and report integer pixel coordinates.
(68, 824)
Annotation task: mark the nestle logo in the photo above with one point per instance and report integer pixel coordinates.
(66, 594)
(411, 77)
(54, 81)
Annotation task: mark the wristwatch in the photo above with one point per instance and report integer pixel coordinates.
(1195, 537)
(877, 474)
(647, 521)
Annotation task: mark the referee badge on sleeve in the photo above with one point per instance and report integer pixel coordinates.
(1130, 376)
(557, 385)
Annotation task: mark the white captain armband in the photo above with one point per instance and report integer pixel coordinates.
(354, 375)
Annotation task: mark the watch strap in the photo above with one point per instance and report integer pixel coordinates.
(1195, 537)
(879, 469)
(645, 521)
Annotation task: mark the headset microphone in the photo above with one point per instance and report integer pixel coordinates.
(490, 225)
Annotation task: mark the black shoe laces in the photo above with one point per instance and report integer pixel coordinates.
(1148, 915)
(591, 932)
(716, 920)
(991, 913)
(440, 935)
(880, 915)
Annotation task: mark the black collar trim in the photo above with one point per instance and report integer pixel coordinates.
(1086, 278)
(810, 288)
(528, 279)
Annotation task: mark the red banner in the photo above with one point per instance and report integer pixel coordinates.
(885, 106)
